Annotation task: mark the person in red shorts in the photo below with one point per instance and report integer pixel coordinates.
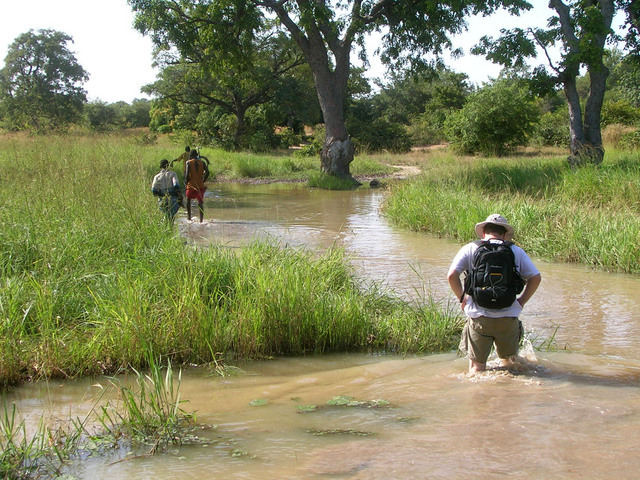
(196, 174)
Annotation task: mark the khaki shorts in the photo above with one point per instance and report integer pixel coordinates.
(480, 334)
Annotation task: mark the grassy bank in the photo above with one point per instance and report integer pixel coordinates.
(91, 279)
(589, 215)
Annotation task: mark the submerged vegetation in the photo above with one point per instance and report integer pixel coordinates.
(148, 418)
(92, 279)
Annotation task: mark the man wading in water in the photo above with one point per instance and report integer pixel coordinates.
(196, 173)
(165, 186)
(496, 271)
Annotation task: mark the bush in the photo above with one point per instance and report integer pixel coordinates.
(317, 142)
(495, 120)
(630, 140)
(380, 134)
(427, 128)
(553, 129)
(613, 135)
(288, 138)
(619, 112)
(374, 133)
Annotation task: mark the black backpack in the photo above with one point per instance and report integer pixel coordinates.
(494, 281)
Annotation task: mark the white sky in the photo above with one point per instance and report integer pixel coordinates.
(118, 58)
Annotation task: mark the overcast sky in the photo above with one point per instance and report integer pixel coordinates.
(118, 58)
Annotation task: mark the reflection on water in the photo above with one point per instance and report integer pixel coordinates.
(571, 413)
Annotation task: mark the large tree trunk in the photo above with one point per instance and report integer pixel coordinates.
(338, 150)
(593, 115)
(330, 77)
(575, 116)
(586, 133)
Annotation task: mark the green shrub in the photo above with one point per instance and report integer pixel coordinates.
(495, 120)
(619, 112)
(288, 138)
(316, 145)
(378, 134)
(630, 141)
(427, 128)
(553, 129)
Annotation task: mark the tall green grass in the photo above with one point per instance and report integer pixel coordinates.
(590, 215)
(92, 278)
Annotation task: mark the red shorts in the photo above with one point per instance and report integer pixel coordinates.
(197, 195)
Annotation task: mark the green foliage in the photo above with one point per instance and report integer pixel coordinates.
(495, 120)
(41, 82)
(288, 138)
(620, 112)
(374, 133)
(102, 116)
(231, 83)
(628, 78)
(421, 102)
(317, 142)
(553, 129)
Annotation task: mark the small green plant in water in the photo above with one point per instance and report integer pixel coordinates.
(38, 455)
(151, 414)
(344, 401)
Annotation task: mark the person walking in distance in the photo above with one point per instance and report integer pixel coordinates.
(183, 158)
(166, 187)
(196, 174)
(500, 280)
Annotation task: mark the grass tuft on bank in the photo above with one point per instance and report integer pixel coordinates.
(590, 215)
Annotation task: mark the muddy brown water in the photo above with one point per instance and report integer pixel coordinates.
(572, 412)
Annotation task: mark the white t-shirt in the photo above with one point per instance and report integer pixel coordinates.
(463, 261)
(165, 180)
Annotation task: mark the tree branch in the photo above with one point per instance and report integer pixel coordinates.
(545, 50)
(378, 10)
(564, 14)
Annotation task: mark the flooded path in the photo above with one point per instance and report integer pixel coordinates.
(572, 413)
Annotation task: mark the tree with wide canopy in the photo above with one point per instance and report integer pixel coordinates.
(41, 84)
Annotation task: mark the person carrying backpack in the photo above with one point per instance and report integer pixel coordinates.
(166, 187)
(500, 280)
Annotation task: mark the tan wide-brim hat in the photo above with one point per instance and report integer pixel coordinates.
(495, 219)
